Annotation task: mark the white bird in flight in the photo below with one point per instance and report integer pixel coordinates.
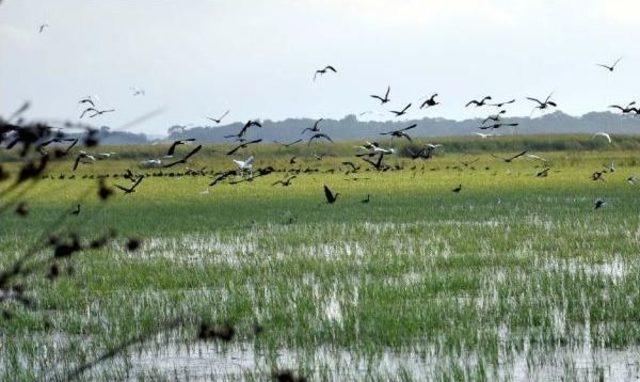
(604, 135)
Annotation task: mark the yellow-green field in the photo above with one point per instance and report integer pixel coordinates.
(515, 277)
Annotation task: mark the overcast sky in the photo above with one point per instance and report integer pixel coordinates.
(200, 57)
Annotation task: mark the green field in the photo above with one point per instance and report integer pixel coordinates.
(515, 277)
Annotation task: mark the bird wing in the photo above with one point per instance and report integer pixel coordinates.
(535, 100)
(232, 151)
(172, 148)
(331, 68)
(406, 108)
(328, 194)
(386, 96)
(76, 163)
(193, 152)
(123, 188)
(409, 128)
(137, 182)
(519, 155)
(377, 97)
(472, 102)
(616, 63)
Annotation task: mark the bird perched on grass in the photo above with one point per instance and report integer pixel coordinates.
(599, 203)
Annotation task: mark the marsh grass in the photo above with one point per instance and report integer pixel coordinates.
(515, 277)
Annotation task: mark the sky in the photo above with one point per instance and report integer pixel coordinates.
(198, 58)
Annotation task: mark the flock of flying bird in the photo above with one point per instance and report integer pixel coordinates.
(371, 153)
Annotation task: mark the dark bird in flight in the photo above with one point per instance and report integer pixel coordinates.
(386, 96)
(401, 112)
(482, 102)
(543, 105)
(331, 197)
(543, 173)
(290, 143)
(83, 157)
(292, 160)
(243, 145)
(501, 104)
(185, 158)
(429, 102)
(510, 159)
(457, 189)
(132, 188)
(498, 125)
(285, 182)
(612, 67)
(87, 101)
(175, 144)
(76, 211)
(401, 132)
(222, 176)
(494, 118)
(315, 128)
(626, 109)
(244, 130)
(324, 70)
(599, 203)
(318, 136)
(42, 27)
(219, 119)
(378, 164)
(95, 112)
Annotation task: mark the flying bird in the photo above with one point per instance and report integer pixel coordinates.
(185, 158)
(386, 96)
(219, 119)
(627, 109)
(477, 103)
(83, 157)
(132, 188)
(175, 144)
(42, 27)
(285, 182)
(495, 117)
(510, 159)
(315, 128)
(87, 100)
(401, 132)
(243, 145)
(430, 102)
(604, 135)
(324, 70)
(290, 143)
(543, 105)
(498, 125)
(499, 105)
(329, 195)
(318, 136)
(401, 112)
(612, 67)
